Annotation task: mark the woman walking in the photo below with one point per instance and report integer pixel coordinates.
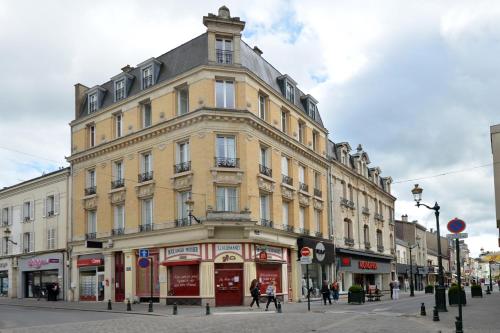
(335, 290)
(271, 295)
(395, 290)
(255, 292)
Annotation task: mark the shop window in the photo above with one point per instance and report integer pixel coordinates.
(184, 280)
(267, 273)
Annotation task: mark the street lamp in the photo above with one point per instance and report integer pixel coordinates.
(412, 287)
(491, 282)
(190, 203)
(440, 290)
(7, 233)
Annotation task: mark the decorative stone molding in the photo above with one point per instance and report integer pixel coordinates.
(182, 182)
(227, 177)
(243, 216)
(117, 197)
(318, 204)
(90, 203)
(286, 192)
(201, 135)
(265, 185)
(303, 199)
(103, 165)
(145, 190)
(162, 115)
(130, 156)
(162, 146)
(249, 137)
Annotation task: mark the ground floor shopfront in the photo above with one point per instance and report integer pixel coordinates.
(365, 269)
(420, 276)
(5, 277)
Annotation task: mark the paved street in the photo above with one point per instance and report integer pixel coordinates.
(385, 316)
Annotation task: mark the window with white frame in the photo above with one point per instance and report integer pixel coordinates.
(348, 229)
(91, 135)
(264, 156)
(284, 121)
(147, 77)
(285, 162)
(262, 106)
(146, 115)
(119, 90)
(227, 199)
(317, 219)
(51, 238)
(119, 219)
(6, 219)
(92, 103)
(146, 162)
(28, 207)
(5, 246)
(183, 152)
(224, 50)
(265, 211)
(182, 206)
(226, 146)
(91, 222)
(314, 140)
(91, 178)
(118, 125)
(182, 100)
(290, 92)
(302, 174)
(50, 205)
(147, 212)
(224, 94)
(285, 213)
(28, 242)
(118, 171)
(302, 127)
(302, 217)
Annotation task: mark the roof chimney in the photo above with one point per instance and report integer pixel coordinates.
(404, 218)
(127, 68)
(80, 91)
(257, 50)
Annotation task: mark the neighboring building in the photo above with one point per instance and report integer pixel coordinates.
(465, 263)
(411, 234)
(432, 258)
(495, 149)
(363, 218)
(211, 129)
(33, 235)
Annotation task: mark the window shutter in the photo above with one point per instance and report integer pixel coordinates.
(56, 203)
(11, 214)
(48, 239)
(32, 210)
(2, 240)
(21, 238)
(32, 242)
(44, 214)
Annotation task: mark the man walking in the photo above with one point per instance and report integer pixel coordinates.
(391, 286)
(325, 290)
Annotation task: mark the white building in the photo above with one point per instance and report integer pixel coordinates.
(33, 235)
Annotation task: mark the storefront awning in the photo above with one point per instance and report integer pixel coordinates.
(181, 263)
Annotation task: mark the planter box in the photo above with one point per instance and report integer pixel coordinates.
(453, 298)
(429, 289)
(476, 292)
(356, 298)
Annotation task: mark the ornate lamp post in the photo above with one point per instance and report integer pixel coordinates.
(440, 290)
(412, 286)
(7, 233)
(190, 203)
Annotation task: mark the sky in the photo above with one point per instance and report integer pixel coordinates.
(417, 83)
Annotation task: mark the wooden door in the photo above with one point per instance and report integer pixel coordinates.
(228, 284)
(119, 277)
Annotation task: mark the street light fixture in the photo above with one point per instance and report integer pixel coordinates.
(7, 233)
(190, 203)
(440, 290)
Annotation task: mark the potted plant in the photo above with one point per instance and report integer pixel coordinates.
(453, 293)
(356, 294)
(476, 290)
(429, 289)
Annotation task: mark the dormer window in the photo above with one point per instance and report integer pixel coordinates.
(290, 92)
(312, 110)
(150, 70)
(94, 99)
(224, 50)
(147, 77)
(119, 90)
(122, 84)
(93, 103)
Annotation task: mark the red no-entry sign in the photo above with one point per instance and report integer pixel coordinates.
(305, 252)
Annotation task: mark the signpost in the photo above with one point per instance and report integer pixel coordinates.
(143, 253)
(456, 226)
(144, 261)
(306, 259)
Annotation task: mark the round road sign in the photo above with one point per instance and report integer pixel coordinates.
(143, 262)
(456, 226)
(305, 252)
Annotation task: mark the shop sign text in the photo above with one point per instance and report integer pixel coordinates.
(37, 263)
(183, 250)
(367, 265)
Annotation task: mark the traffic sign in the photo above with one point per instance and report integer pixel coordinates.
(306, 252)
(456, 226)
(144, 253)
(457, 236)
(306, 260)
(143, 262)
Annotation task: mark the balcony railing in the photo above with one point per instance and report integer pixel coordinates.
(379, 217)
(266, 223)
(288, 228)
(318, 234)
(117, 183)
(227, 162)
(90, 190)
(304, 231)
(318, 193)
(380, 248)
(50, 213)
(287, 180)
(145, 176)
(91, 235)
(117, 231)
(265, 170)
(145, 227)
(182, 167)
(27, 219)
(367, 245)
(347, 203)
(224, 56)
(348, 241)
(303, 187)
(393, 251)
(183, 222)
(365, 210)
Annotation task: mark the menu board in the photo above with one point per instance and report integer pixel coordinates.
(184, 280)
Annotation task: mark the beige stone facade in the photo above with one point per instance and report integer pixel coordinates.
(495, 149)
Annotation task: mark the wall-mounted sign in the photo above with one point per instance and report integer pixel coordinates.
(228, 253)
(222, 248)
(185, 251)
(345, 262)
(319, 251)
(38, 263)
(367, 265)
(272, 253)
(89, 262)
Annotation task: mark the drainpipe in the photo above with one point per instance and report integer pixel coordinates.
(330, 218)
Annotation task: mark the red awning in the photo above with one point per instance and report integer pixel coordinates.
(181, 263)
(89, 262)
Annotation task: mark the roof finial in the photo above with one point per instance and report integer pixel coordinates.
(359, 149)
(224, 12)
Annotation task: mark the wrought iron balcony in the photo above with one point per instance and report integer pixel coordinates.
(183, 222)
(379, 217)
(145, 176)
(349, 241)
(304, 231)
(224, 56)
(91, 235)
(287, 180)
(117, 183)
(118, 231)
(50, 213)
(90, 190)
(266, 223)
(365, 210)
(367, 245)
(27, 219)
(227, 162)
(265, 170)
(145, 227)
(380, 248)
(288, 228)
(319, 234)
(182, 167)
(318, 193)
(347, 203)
(303, 187)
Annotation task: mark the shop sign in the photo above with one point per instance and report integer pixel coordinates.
(222, 248)
(263, 255)
(319, 251)
(271, 252)
(38, 263)
(89, 262)
(323, 251)
(189, 250)
(367, 265)
(345, 262)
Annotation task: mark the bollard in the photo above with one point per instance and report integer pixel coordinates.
(174, 311)
(435, 316)
(458, 326)
(109, 304)
(150, 308)
(129, 306)
(207, 309)
(279, 307)
(422, 310)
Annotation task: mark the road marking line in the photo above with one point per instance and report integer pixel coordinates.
(244, 312)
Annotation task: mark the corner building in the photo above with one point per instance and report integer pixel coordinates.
(208, 157)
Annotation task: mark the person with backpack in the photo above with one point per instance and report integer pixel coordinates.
(335, 290)
(271, 295)
(255, 292)
(325, 291)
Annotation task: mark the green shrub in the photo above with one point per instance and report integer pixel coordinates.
(429, 286)
(454, 289)
(356, 288)
(476, 287)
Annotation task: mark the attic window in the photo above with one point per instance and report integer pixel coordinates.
(312, 110)
(93, 103)
(290, 92)
(147, 77)
(120, 89)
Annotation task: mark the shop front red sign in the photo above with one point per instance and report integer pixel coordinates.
(89, 262)
(346, 262)
(267, 273)
(263, 255)
(367, 265)
(185, 280)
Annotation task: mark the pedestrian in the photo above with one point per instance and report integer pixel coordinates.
(271, 295)
(391, 286)
(55, 291)
(325, 291)
(255, 292)
(395, 290)
(335, 290)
